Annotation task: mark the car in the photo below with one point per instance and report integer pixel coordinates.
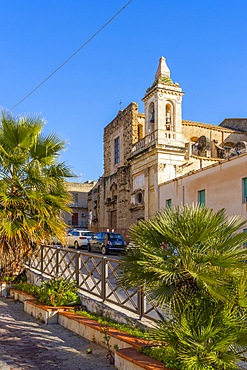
(78, 238)
(107, 242)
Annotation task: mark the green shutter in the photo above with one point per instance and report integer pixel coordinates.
(168, 203)
(201, 196)
(245, 188)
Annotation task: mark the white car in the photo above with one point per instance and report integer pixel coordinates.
(78, 238)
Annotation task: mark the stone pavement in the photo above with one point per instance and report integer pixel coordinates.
(26, 343)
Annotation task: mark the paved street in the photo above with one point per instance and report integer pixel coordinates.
(25, 343)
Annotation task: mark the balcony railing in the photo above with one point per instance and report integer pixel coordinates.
(159, 137)
(78, 205)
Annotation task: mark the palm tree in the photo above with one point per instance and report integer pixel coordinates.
(32, 189)
(192, 263)
(184, 250)
(209, 335)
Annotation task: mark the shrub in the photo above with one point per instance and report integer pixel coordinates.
(127, 328)
(28, 288)
(59, 292)
(54, 292)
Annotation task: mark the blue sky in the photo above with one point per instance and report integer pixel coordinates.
(204, 43)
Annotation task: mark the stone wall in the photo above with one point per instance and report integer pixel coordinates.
(124, 126)
(110, 198)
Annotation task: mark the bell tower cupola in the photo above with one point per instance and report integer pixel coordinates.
(163, 107)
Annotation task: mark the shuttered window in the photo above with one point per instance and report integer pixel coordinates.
(245, 190)
(201, 197)
(168, 203)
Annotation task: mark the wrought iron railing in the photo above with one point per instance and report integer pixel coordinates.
(94, 274)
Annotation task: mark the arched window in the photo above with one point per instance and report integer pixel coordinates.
(151, 118)
(169, 117)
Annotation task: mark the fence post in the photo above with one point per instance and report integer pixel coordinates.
(42, 260)
(77, 268)
(140, 303)
(57, 263)
(103, 278)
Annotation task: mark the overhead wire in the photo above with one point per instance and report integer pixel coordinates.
(72, 55)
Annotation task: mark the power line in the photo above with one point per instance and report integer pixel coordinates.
(72, 55)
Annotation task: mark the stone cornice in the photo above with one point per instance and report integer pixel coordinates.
(160, 89)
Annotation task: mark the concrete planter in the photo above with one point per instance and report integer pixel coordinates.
(5, 288)
(46, 314)
(124, 345)
(94, 331)
(131, 359)
(19, 295)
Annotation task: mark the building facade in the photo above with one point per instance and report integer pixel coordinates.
(221, 185)
(79, 216)
(144, 151)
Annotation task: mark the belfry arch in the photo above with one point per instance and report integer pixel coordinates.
(169, 117)
(151, 117)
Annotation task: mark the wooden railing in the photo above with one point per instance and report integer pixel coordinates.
(94, 275)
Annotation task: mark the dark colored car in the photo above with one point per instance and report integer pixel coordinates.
(107, 242)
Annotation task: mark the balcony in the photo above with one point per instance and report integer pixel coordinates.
(157, 137)
(78, 205)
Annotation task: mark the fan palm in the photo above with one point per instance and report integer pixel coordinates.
(184, 250)
(32, 188)
(208, 335)
(192, 263)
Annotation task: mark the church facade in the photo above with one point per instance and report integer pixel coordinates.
(145, 151)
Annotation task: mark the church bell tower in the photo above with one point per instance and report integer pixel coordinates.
(163, 107)
(160, 155)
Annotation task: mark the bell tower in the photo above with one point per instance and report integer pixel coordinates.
(160, 155)
(163, 108)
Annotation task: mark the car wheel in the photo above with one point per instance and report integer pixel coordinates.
(104, 250)
(89, 248)
(76, 245)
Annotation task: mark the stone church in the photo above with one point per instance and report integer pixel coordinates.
(144, 150)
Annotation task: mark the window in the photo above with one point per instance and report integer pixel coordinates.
(116, 150)
(75, 197)
(139, 198)
(151, 118)
(140, 132)
(201, 197)
(168, 203)
(244, 186)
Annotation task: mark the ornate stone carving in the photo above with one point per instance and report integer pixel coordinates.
(178, 169)
(161, 166)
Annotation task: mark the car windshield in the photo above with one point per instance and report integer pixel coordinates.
(88, 234)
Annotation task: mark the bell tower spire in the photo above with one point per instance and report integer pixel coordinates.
(163, 70)
(163, 107)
